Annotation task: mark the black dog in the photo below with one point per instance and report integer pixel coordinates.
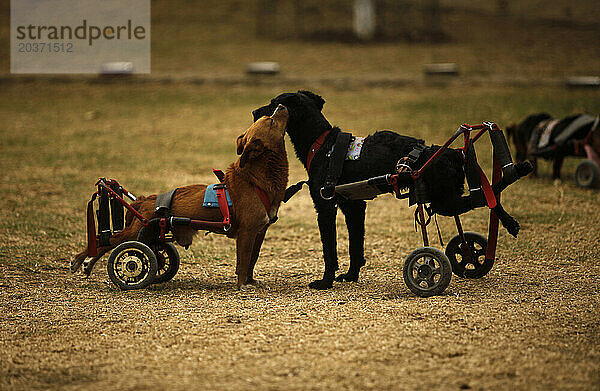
(380, 153)
(528, 138)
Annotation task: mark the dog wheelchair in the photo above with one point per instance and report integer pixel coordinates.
(587, 173)
(152, 258)
(427, 271)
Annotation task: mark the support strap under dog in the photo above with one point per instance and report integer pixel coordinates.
(418, 191)
(223, 205)
(162, 206)
(337, 156)
(103, 215)
(92, 239)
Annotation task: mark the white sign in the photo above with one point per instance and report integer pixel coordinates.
(79, 36)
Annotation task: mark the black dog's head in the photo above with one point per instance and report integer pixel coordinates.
(306, 121)
(521, 134)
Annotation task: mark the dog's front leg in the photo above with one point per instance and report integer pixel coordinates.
(354, 212)
(326, 219)
(533, 160)
(244, 246)
(557, 166)
(255, 254)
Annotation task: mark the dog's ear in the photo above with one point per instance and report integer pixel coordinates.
(251, 150)
(318, 101)
(258, 113)
(240, 144)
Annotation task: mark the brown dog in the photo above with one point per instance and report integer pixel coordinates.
(263, 164)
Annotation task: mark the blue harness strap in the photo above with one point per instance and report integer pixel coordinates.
(210, 197)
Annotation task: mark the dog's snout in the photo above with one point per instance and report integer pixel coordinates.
(280, 109)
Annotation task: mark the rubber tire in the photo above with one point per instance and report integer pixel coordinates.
(445, 272)
(162, 274)
(141, 249)
(452, 248)
(593, 174)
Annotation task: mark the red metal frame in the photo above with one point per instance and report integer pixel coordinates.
(465, 130)
(490, 252)
(106, 184)
(590, 153)
(491, 197)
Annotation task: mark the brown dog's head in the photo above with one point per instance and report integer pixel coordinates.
(266, 134)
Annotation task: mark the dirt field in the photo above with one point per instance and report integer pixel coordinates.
(531, 323)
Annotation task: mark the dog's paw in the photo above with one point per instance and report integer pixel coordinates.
(350, 277)
(87, 269)
(253, 282)
(508, 222)
(513, 227)
(75, 266)
(524, 168)
(248, 287)
(321, 284)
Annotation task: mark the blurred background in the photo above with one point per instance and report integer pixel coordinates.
(370, 38)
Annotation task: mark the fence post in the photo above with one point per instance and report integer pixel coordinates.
(364, 19)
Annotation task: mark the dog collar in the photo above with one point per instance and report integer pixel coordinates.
(315, 148)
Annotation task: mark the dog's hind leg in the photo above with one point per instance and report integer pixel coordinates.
(508, 222)
(557, 166)
(129, 233)
(255, 254)
(354, 213)
(522, 169)
(459, 205)
(88, 266)
(78, 260)
(326, 220)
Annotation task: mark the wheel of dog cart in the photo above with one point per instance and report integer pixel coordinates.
(587, 174)
(469, 262)
(132, 265)
(167, 259)
(427, 272)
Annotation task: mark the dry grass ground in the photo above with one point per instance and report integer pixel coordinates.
(532, 323)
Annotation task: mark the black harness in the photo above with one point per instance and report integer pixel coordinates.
(335, 164)
(336, 157)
